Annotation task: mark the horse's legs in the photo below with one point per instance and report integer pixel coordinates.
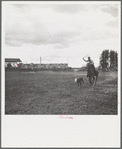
(90, 80)
(94, 81)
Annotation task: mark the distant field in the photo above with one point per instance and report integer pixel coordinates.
(52, 93)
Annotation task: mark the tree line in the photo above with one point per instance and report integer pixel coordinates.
(109, 59)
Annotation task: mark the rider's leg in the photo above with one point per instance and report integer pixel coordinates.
(87, 73)
(88, 69)
(94, 70)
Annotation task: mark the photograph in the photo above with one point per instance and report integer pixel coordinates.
(61, 74)
(61, 58)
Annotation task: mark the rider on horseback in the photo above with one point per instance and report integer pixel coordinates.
(90, 63)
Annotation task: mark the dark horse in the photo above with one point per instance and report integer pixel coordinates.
(92, 74)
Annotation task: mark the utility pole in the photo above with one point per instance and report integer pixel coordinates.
(40, 60)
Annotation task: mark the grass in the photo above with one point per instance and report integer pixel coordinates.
(52, 93)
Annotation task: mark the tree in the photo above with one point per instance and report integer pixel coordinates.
(107, 57)
(104, 58)
(113, 59)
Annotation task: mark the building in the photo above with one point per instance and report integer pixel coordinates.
(12, 62)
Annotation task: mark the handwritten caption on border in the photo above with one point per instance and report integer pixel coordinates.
(65, 117)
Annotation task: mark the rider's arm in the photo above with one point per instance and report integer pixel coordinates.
(85, 60)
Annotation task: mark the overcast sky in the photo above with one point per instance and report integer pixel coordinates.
(60, 31)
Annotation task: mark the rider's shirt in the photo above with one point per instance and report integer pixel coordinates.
(91, 62)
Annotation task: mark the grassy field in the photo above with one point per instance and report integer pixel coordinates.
(52, 93)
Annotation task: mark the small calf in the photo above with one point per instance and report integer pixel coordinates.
(79, 81)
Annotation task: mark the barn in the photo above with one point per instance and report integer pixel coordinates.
(12, 62)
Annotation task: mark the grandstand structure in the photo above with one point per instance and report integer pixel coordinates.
(46, 66)
(12, 61)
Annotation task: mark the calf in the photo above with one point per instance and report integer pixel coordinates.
(79, 81)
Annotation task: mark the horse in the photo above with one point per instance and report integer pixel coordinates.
(92, 74)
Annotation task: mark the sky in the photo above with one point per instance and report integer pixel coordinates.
(60, 32)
